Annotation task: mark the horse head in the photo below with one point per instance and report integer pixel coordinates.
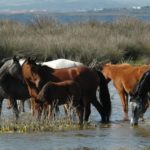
(33, 71)
(12, 67)
(139, 99)
(27, 68)
(136, 109)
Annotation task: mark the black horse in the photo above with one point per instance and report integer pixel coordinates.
(12, 86)
(140, 98)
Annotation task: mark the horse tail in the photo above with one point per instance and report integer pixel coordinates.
(104, 96)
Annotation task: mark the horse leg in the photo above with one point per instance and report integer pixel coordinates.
(15, 108)
(9, 104)
(50, 111)
(1, 103)
(56, 110)
(66, 109)
(124, 103)
(45, 111)
(99, 108)
(32, 106)
(87, 109)
(79, 111)
(21, 105)
(38, 111)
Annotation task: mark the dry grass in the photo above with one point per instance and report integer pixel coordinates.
(47, 39)
(43, 126)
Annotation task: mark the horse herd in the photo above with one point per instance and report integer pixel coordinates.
(74, 85)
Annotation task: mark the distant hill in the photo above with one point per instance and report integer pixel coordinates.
(106, 15)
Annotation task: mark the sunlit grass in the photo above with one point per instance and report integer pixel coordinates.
(30, 126)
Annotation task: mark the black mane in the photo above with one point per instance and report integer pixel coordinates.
(143, 86)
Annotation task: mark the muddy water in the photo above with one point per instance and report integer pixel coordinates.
(119, 135)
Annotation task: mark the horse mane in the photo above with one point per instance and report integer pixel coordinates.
(143, 86)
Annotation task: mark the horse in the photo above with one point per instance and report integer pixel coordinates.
(125, 77)
(140, 98)
(59, 93)
(20, 103)
(56, 64)
(62, 63)
(12, 86)
(88, 79)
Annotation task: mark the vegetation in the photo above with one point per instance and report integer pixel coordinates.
(45, 38)
(26, 125)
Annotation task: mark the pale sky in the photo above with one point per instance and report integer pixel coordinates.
(68, 5)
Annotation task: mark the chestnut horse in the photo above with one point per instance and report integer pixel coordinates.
(56, 64)
(59, 93)
(88, 79)
(125, 77)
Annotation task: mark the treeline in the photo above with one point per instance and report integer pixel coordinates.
(45, 38)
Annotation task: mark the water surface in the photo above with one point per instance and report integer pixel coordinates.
(118, 135)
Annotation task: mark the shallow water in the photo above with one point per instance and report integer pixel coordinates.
(119, 135)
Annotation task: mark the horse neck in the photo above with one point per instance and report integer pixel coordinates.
(143, 86)
(108, 72)
(45, 75)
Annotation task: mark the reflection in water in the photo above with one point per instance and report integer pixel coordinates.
(118, 135)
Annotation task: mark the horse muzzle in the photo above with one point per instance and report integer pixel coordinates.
(134, 121)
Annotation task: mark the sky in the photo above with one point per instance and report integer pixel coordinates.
(68, 5)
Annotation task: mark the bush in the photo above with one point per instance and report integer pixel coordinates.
(48, 39)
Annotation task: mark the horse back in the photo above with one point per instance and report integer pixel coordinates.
(83, 75)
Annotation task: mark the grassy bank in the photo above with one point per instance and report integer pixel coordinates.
(28, 125)
(125, 39)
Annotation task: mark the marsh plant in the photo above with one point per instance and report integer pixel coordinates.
(49, 39)
(29, 126)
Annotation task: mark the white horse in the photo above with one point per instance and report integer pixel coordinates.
(56, 64)
(62, 63)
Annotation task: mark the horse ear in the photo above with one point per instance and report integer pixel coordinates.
(34, 59)
(15, 59)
